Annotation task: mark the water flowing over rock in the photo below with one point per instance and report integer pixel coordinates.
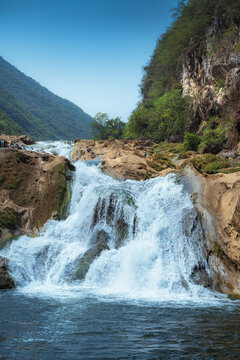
(123, 159)
(137, 238)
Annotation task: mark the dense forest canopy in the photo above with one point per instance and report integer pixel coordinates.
(37, 111)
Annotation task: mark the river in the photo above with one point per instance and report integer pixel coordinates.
(117, 278)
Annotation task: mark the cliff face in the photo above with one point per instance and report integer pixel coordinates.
(210, 76)
(192, 82)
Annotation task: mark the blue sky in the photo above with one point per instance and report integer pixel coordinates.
(91, 52)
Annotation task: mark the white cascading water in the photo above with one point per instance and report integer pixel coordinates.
(135, 239)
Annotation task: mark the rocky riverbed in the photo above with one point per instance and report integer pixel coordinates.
(34, 187)
(216, 195)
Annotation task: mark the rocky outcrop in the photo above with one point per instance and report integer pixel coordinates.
(83, 263)
(33, 188)
(123, 159)
(15, 141)
(6, 282)
(211, 77)
(217, 198)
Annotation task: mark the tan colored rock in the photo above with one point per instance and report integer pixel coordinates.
(15, 141)
(217, 198)
(122, 159)
(33, 189)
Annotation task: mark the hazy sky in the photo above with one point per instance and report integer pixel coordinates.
(91, 52)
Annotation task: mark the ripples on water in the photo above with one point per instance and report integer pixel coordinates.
(35, 327)
(137, 301)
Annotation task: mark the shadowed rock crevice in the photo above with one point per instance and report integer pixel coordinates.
(6, 282)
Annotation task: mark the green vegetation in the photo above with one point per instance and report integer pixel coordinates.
(23, 158)
(213, 140)
(61, 187)
(9, 219)
(210, 164)
(2, 179)
(104, 128)
(161, 119)
(187, 32)
(37, 112)
(167, 148)
(64, 191)
(164, 114)
(15, 183)
(7, 125)
(191, 141)
(148, 174)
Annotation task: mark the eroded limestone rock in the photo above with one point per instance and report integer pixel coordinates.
(33, 189)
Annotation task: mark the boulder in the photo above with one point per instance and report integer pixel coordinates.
(83, 264)
(122, 159)
(6, 282)
(34, 188)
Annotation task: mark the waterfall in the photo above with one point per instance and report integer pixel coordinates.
(2, 143)
(138, 239)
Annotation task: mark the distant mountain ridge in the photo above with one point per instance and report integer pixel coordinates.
(37, 112)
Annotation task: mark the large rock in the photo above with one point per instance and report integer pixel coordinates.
(33, 188)
(6, 282)
(100, 241)
(217, 198)
(15, 141)
(123, 159)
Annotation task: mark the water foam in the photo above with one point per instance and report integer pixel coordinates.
(149, 236)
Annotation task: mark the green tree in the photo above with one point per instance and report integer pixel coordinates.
(104, 128)
(158, 120)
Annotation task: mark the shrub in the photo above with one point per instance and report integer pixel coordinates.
(191, 141)
(161, 119)
(9, 219)
(213, 141)
(210, 164)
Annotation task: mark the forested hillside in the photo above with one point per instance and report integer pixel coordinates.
(191, 82)
(40, 113)
(24, 122)
(8, 126)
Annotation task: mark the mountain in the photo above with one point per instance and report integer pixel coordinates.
(8, 126)
(17, 120)
(192, 81)
(36, 111)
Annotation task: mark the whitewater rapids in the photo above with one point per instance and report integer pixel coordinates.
(150, 236)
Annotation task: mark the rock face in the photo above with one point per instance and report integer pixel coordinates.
(6, 282)
(212, 77)
(33, 188)
(123, 159)
(217, 198)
